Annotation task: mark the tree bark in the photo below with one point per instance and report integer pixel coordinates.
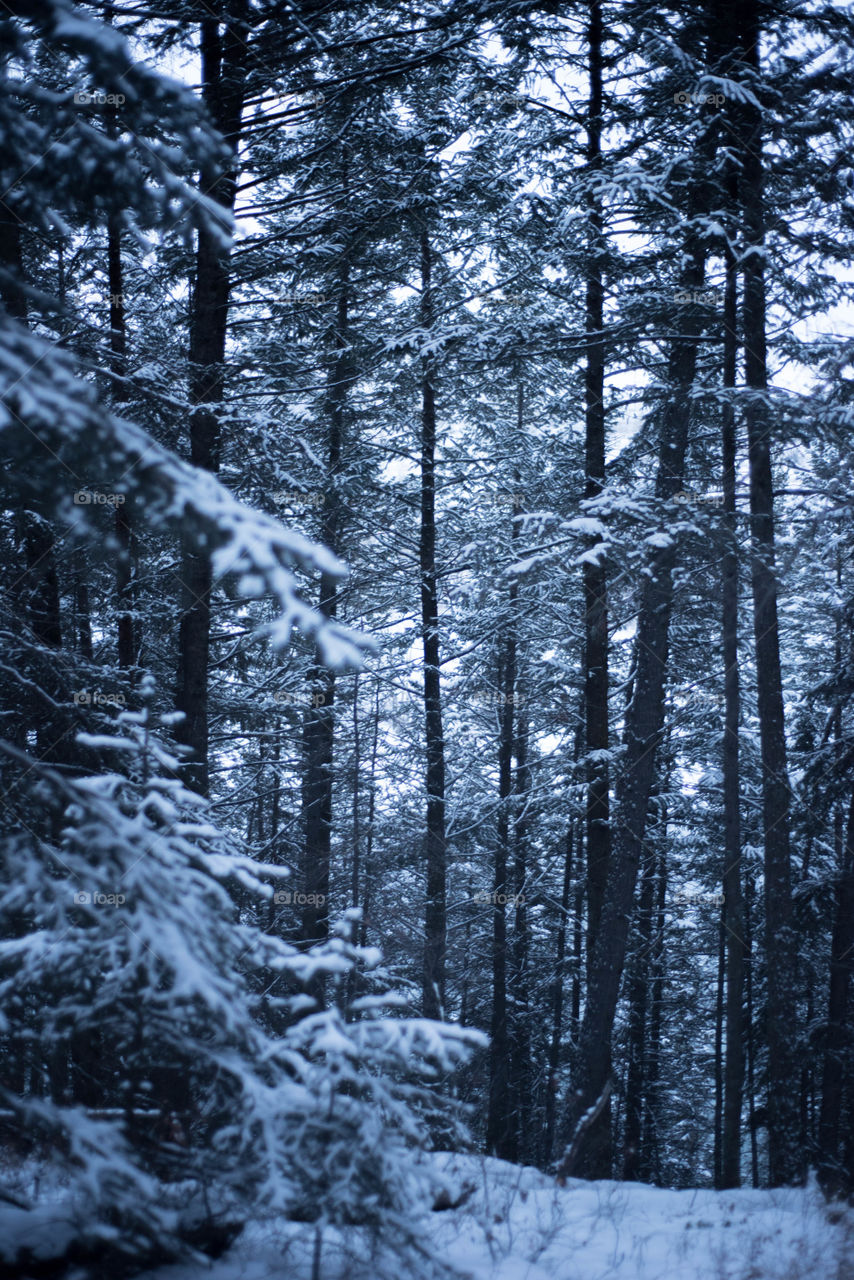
(369, 848)
(838, 1050)
(118, 368)
(501, 1134)
(730, 1173)
(319, 720)
(595, 574)
(638, 997)
(11, 281)
(785, 1157)
(436, 851)
(717, 1157)
(223, 86)
(520, 1027)
(643, 728)
(557, 998)
(650, 1166)
(751, 1037)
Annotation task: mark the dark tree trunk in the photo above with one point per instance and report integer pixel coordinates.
(357, 823)
(11, 291)
(39, 586)
(730, 1173)
(785, 1158)
(520, 1037)
(595, 574)
(501, 1131)
(552, 1082)
(650, 1165)
(719, 1054)
(638, 997)
(223, 85)
(369, 841)
(751, 1036)
(588, 1141)
(838, 1051)
(118, 368)
(577, 945)
(436, 851)
(82, 608)
(319, 722)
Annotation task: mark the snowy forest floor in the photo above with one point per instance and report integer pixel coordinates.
(517, 1224)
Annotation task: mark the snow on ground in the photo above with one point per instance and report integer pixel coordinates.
(517, 1224)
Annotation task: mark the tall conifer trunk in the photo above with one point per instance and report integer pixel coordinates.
(223, 54)
(594, 573)
(785, 1159)
(436, 852)
(520, 1025)
(838, 1052)
(638, 996)
(587, 1146)
(501, 1130)
(319, 720)
(118, 368)
(733, 914)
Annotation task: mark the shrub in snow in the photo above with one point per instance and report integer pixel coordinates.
(131, 980)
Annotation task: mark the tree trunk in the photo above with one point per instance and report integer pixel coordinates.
(501, 1132)
(733, 897)
(39, 586)
(751, 1037)
(436, 852)
(367, 896)
(319, 721)
(785, 1158)
(588, 1140)
(650, 1166)
(638, 997)
(717, 1157)
(552, 1083)
(118, 368)
(520, 1029)
(595, 574)
(11, 291)
(838, 1050)
(82, 608)
(223, 86)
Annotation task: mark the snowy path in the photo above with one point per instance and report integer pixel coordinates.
(518, 1225)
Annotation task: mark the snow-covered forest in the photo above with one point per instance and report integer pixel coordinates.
(427, 639)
